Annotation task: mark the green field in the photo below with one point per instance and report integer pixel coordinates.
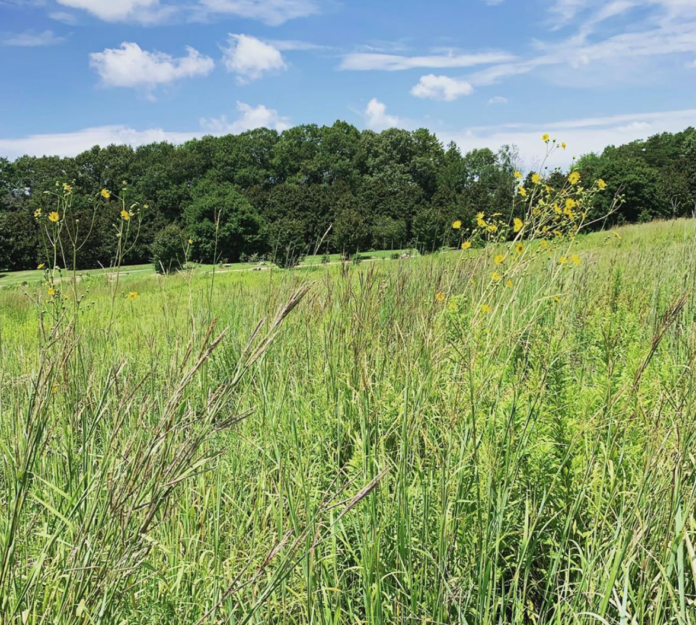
(408, 441)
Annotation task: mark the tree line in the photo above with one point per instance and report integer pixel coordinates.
(265, 194)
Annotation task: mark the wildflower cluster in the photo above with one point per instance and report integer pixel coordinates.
(547, 214)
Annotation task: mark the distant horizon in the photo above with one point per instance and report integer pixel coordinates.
(481, 73)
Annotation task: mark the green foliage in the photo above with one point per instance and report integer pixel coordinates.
(262, 181)
(19, 241)
(169, 249)
(222, 223)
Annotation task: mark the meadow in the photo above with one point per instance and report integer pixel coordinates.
(401, 441)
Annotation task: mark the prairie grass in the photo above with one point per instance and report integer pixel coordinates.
(380, 450)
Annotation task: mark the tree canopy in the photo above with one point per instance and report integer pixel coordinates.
(264, 193)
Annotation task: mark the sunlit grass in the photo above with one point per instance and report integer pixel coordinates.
(539, 457)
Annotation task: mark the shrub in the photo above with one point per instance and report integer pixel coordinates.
(169, 250)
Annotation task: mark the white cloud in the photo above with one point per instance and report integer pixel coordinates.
(250, 118)
(250, 58)
(394, 62)
(73, 143)
(131, 66)
(271, 12)
(376, 116)
(291, 45)
(433, 87)
(64, 17)
(582, 135)
(111, 10)
(498, 100)
(691, 65)
(31, 39)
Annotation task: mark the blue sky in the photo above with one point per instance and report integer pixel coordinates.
(478, 72)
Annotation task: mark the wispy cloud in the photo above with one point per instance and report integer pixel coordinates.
(31, 39)
(363, 61)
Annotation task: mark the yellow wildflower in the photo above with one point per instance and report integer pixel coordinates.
(51, 291)
(518, 175)
(546, 138)
(53, 216)
(518, 224)
(523, 192)
(457, 225)
(37, 213)
(125, 215)
(575, 259)
(564, 145)
(41, 266)
(496, 277)
(570, 204)
(106, 194)
(493, 228)
(562, 260)
(133, 295)
(67, 188)
(520, 248)
(536, 179)
(190, 241)
(544, 243)
(485, 308)
(601, 184)
(574, 177)
(466, 245)
(508, 284)
(499, 259)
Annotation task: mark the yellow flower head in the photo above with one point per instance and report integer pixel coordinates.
(499, 259)
(564, 145)
(54, 217)
(133, 295)
(440, 296)
(575, 259)
(546, 138)
(190, 241)
(496, 277)
(37, 213)
(544, 243)
(67, 188)
(508, 284)
(570, 204)
(523, 192)
(601, 184)
(41, 266)
(466, 245)
(457, 225)
(492, 228)
(51, 292)
(485, 308)
(536, 179)
(574, 177)
(520, 248)
(106, 194)
(518, 175)
(518, 224)
(125, 215)
(562, 260)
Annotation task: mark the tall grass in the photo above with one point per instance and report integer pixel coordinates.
(369, 455)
